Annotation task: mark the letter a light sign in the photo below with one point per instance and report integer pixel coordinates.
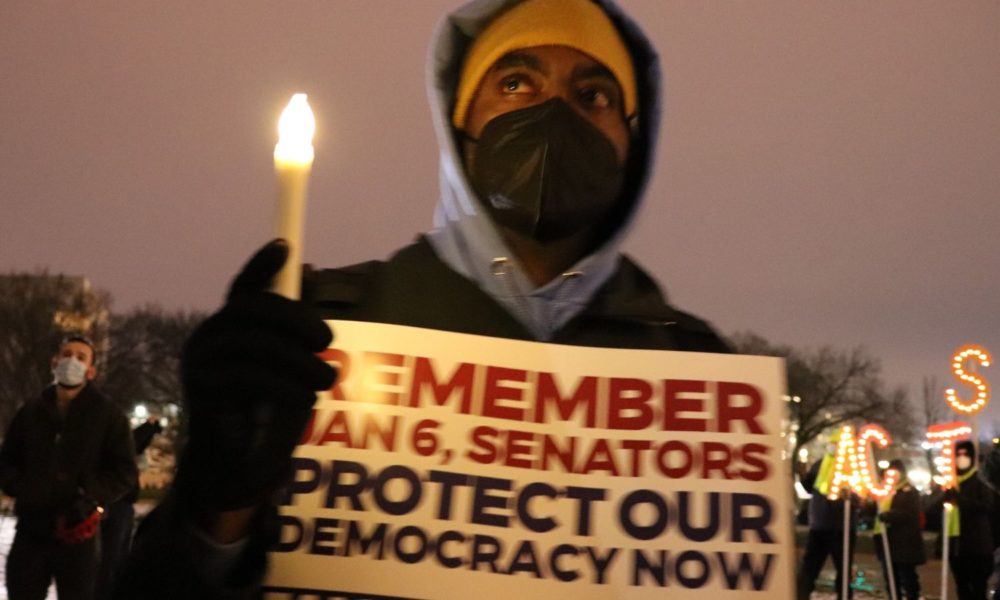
(854, 465)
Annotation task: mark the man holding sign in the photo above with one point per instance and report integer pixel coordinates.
(546, 112)
(968, 528)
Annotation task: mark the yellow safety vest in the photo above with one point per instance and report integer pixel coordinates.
(825, 475)
(954, 524)
(885, 504)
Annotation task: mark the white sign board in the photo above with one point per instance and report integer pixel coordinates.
(452, 466)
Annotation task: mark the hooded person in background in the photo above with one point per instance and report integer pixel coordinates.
(970, 539)
(66, 455)
(826, 528)
(899, 518)
(546, 112)
(989, 474)
(119, 517)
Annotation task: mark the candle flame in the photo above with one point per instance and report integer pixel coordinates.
(295, 132)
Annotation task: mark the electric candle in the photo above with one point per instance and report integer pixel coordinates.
(293, 158)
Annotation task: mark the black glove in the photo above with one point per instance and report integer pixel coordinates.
(951, 495)
(250, 375)
(79, 522)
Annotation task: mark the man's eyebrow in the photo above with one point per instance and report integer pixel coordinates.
(594, 71)
(519, 59)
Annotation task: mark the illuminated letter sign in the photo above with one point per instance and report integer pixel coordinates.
(980, 388)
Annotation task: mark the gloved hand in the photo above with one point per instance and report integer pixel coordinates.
(250, 375)
(951, 495)
(79, 522)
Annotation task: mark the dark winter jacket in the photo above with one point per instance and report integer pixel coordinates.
(974, 500)
(989, 474)
(47, 462)
(415, 288)
(975, 504)
(903, 524)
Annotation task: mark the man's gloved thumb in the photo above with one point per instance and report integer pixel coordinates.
(258, 273)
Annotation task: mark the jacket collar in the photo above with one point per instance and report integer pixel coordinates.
(49, 398)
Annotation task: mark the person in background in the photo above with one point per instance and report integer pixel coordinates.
(970, 539)
(66, 455)
(899, 518)
(119, 517)
(826, 529)
(989, 474)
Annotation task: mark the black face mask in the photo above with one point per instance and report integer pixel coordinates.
(545, 172)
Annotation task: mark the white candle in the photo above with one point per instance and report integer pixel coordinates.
(293, 158)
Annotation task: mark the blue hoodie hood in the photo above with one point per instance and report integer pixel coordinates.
(465, 237)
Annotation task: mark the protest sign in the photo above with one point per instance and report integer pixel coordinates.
(451, 466)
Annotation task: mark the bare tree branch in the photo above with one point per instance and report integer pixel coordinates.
(36, 311)
(834, 387)
(144, 357)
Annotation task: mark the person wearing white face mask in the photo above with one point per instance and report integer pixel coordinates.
(66, 454)
(968, 529)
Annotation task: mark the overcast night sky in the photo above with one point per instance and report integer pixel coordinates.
(829, 172)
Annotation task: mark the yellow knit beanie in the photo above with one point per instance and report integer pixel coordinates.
(579, 24)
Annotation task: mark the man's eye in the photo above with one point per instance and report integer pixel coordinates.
(595, 98)
(515, 84)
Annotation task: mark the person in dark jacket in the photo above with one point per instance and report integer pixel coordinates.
(970, 539)
(119, 517)
(899, 515)
(989, 474)
(826, 530)
(521, 249)
(66, 455)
